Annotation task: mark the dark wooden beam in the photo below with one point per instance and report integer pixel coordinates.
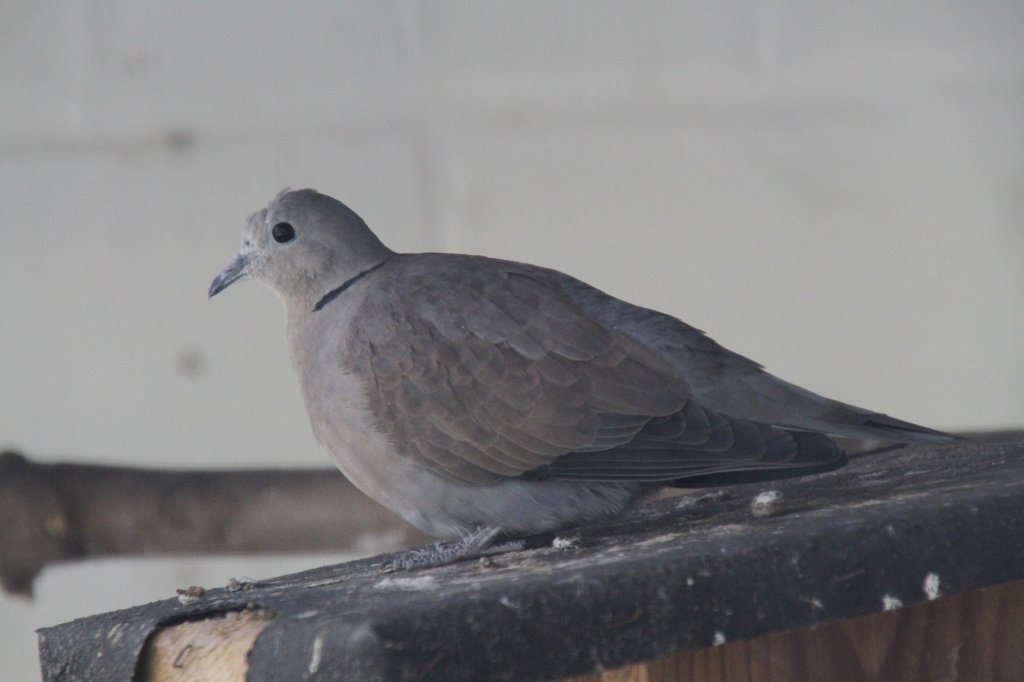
(914, 526)
(63, 512)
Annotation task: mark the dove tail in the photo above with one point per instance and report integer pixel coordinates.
(852, 422)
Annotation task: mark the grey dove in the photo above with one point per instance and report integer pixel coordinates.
(483, 398)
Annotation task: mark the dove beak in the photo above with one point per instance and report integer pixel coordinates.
(236, 270)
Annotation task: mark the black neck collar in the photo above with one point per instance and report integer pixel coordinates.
(337, 291)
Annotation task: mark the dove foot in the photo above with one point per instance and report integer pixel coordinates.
(479, 543)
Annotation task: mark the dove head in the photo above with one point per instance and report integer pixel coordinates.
(303, 244)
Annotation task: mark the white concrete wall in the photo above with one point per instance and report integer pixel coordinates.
(834, 189)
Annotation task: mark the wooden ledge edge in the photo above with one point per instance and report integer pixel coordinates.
(215, 648)
(971, 635)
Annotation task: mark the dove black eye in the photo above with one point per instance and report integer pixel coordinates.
(283, 232)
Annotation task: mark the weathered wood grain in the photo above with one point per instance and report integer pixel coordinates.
(212, 649)
(977, 636)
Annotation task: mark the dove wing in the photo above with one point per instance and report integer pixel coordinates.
(481, 370)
